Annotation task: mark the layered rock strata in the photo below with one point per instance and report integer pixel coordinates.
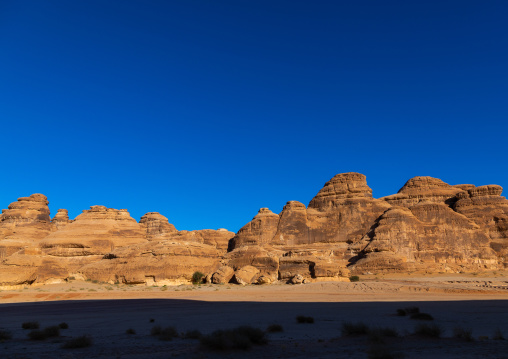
(428, 226)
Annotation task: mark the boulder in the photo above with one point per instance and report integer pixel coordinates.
(223, 275)
(297, 279)
(246, 275)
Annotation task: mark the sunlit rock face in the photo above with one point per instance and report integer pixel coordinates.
(24, 223)
(427, 189)
(485, 206)
(428, 226)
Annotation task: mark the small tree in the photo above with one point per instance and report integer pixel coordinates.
(197, 278)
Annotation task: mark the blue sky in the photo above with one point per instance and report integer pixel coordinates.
(206, 111)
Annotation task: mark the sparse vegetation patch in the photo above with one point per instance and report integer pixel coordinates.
(242, 338)
(428, 330)
(5, 334)
(78, 342)
(352, 329)
(463, 333)
(274, 328)
(30, 325)
(302, 319)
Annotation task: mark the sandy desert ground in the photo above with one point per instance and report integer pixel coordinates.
(105, 312)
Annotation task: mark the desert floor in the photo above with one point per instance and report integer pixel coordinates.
(105, 312)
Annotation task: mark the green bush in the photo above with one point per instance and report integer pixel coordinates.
(78, 342)
(63, 325)
(353, 329)
(354, 278)
(30, 325)
(197, 278)
(427, 330)
(239, 338)
(302, 319)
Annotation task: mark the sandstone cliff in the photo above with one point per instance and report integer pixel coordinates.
(428, 226)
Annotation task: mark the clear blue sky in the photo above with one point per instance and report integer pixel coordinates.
(206, 111)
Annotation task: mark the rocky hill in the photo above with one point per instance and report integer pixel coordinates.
(428, 226)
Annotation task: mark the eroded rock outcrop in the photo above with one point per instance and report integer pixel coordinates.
(486, 207)
(61, 219)
(429, 237)
(24, 223)
(161, 263)
(428, 226)
(156, 226)
(428, 189)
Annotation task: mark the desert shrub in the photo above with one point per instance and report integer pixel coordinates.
(382, 352)
(37, 335)
(152, 320)
(5, 334)
(422, 316)
(78, 342)
(274, 328)
(156, 330)
(498, 334)
(30, 325)
(239, 338)
(52, 331)
(168, 333)
(427, 330)
(63, 325)
(401, 312)
(463, 333)
(130, 331)
(350, 329)
(384, 332)
(412, 310)
(197, 278)
(255, 335)
(354, 278)
(192, 334)
(302, 319)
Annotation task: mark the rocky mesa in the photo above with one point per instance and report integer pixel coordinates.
(429, 226)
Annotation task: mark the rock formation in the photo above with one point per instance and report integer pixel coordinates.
(23, 223)
(156, 226)
(424, 189)
(428, 226)
(61, 219)
(486, 207)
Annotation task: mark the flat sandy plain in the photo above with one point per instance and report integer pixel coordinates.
(105, 312)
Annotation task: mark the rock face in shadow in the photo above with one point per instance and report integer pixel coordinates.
(428, 226)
